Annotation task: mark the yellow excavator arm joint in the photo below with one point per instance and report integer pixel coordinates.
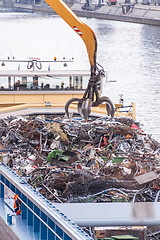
(79, 27)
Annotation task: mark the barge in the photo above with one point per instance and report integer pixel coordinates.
(38, 217)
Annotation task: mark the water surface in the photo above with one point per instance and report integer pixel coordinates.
(129, 53)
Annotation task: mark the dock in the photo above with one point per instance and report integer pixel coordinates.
(138, 13)
(125, 12)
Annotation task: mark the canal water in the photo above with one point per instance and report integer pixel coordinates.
(129, 53)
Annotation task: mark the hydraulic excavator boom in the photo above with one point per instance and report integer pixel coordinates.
(91, 95)
(79, 27)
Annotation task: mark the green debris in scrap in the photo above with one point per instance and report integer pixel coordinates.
(55, 154)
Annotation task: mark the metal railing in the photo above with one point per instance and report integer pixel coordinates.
(45, 218)
(22, 202)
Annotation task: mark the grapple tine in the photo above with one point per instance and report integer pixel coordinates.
(109, 105)
(79, 107)
(86, 108)
(69, 102)
(91, 99)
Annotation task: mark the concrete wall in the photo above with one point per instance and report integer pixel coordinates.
(143, 15)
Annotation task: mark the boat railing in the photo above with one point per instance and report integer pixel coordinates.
(9, 220)
(43, 217)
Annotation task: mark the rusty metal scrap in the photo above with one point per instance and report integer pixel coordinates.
(76, 160)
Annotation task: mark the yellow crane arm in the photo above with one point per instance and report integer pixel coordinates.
(79, 27)
(91, 95)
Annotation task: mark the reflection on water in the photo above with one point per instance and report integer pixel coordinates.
(128, 52)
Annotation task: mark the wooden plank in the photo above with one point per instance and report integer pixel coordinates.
(146, 177)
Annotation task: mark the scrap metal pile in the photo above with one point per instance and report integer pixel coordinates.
(73, 160)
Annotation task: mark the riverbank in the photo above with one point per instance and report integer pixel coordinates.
(138, 13)
(142, 14)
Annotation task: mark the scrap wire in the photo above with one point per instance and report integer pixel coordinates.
(110, 191)
(59, 200)
(85, 174)
(157, 196)
(109, 157)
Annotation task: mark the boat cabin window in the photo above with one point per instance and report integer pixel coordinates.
(42, 83)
